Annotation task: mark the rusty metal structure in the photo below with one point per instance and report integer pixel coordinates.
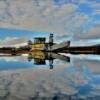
(40, 44)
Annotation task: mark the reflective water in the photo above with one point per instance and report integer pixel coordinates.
(74, 77)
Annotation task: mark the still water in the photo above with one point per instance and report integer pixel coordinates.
(68, 77)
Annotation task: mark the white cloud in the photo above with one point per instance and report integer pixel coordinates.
(36, 15)
(13, 41)
(91, 34)
(43, 15)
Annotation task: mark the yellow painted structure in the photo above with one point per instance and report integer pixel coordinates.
(37, 46)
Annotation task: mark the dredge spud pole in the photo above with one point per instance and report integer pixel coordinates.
(51, 41)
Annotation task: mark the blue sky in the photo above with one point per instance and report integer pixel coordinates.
(20, 33)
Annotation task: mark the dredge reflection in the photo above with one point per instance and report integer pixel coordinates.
(38, 57)
(41, 57)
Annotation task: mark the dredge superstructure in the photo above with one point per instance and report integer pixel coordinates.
(40, 44)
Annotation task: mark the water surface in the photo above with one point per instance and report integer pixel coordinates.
(77, 79)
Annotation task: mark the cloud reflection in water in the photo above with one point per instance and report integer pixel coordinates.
(67, 80)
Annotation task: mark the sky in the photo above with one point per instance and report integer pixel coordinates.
(68, 19)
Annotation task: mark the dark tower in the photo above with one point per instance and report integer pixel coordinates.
(51, 40)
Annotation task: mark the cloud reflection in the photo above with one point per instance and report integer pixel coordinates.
(67, 81)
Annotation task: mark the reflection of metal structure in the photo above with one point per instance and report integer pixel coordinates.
(41, 57)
